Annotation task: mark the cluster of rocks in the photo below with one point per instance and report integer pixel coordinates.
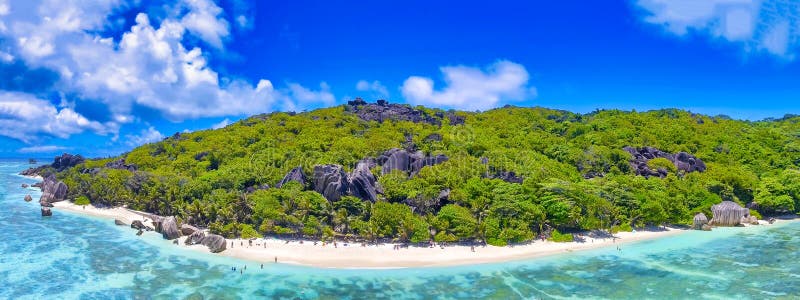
(332, 182)
(727, 214)
(382, 110)
(683, 161)
(169, 230)
(60, 163)
(121, 165)
(406, 161)
(53, 190)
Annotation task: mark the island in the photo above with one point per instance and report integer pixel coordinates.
(398, 180)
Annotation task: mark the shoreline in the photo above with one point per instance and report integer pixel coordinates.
(381, 256)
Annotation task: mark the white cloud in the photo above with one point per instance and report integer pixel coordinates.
(757, 25)
(146, 136)
(42, 149)
(25, 117)
(204, 21)
(471, 88)
(375, 87)
(149, 65)
(221, 124)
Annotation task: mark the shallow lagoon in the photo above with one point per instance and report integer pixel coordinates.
(76, 257)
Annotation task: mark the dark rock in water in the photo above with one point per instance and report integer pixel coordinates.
(53, 190)
(139, 232)
(25, 186)
(175, 242)
(28, 198)
(295, 175)
(195, 238)
(215, 243)
(168, 228)
(330, 181)
(683, 161)
(120, 165)
(136, 224)
(363, 184)
(46, 212)
(187, 229)
(45, 203)
(37, 185)
(65, 161)
(118, 222)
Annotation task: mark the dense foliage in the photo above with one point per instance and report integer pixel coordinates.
(206, 177)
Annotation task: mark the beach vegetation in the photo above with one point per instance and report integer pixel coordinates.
(511, 174)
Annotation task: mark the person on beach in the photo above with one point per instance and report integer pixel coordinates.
(262, 266)
(276, 259)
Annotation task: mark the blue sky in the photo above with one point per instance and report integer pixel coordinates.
(100, 77)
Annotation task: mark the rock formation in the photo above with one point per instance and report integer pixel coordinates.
(118, 222)
(363, 184)
(25, 185)
(65, 161)
(728, 213)
(295, 175)
(168, 228)
(195, 238)
(136, 224)
(383, 111)
(120, 165)
(53, 190)
(46, 212)
(187, 229)
(700, 219)
(683, 161)
(330, 181)
(28, 198)
(408, 162)
(215, 243)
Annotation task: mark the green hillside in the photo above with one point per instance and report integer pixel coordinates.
(510, 174)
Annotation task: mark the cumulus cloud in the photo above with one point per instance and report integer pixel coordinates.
(25, 118)
(153, 64)
(42, 149)
(146, 136)
(471, 88)
(758, 25)
(375, 88)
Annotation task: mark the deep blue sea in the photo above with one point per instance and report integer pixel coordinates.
(70, 256)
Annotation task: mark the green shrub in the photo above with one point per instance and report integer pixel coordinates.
(626, 227)
(559, 237)
(662, 163)
(82, 200)
(756, 214)
(247, 232)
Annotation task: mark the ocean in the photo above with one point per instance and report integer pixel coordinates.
(70, 256)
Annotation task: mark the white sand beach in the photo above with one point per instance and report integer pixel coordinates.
(356, 255)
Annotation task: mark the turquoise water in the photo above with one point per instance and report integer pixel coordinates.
(75, 257)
